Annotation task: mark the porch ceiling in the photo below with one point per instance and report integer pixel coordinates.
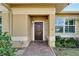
(59, 6)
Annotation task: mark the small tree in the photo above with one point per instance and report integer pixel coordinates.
(6, 48)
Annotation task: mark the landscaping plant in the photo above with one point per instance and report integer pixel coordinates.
(66, 42)
(6, 48)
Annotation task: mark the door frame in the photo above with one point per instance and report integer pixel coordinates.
(33, 31)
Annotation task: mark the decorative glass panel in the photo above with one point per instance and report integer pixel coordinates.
(59, 29)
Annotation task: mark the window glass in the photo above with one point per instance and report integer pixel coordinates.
(72, 29)
(69, 29)
(66, 22)
(59, 29)
(66, 29)
(71, 22)
(59, 21)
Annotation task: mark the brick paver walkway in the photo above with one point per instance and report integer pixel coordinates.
(38, 49)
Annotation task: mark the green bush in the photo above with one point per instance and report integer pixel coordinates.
(66, 42)
(6, 48)
(71, 43)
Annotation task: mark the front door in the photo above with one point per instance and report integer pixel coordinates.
(38, 30)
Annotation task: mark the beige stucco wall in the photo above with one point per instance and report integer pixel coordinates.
(33, 5)
(19, 25)
(29, 28)
(51, 41)
(34, 9)
(46, 29)
(5, 19)
(76, 34)
(21, 13)
(21, 30)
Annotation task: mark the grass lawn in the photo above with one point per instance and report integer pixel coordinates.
(66, 51)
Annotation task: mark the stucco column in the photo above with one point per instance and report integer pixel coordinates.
(51, 40)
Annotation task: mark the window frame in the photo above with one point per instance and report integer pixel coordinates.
(69, 18)
(65, 19)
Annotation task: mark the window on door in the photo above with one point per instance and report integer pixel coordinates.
(65, 25)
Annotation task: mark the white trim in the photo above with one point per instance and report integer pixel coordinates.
(67, 35)
(33, 32)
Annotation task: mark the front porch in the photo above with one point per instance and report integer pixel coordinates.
(36, 49)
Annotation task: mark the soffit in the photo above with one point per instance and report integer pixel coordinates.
(3, 8)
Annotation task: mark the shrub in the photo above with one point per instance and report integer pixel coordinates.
(6, 48)
(66, 42)
(71, 43)
(77, 43)
(58, 41)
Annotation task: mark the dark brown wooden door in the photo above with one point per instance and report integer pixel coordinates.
(38, 30)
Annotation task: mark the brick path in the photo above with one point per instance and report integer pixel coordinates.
(38, 49)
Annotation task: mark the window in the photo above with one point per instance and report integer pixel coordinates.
(0, 24)
(70, 25)
(66, 25)
(59, 25)
(59, 28)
